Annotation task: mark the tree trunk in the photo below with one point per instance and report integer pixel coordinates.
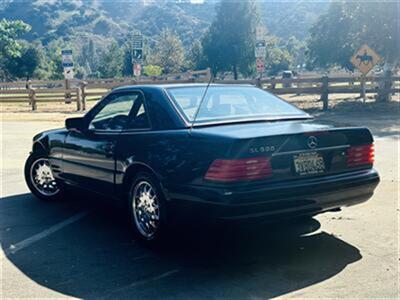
(235, 72)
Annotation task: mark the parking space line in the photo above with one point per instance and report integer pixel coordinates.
(145, 281)
(33, 239)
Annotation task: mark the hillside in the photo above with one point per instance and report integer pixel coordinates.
(102, 20)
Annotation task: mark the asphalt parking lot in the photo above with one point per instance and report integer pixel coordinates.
(81, 247)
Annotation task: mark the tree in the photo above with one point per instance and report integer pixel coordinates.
(229, 43)
(170, 53)
(347, 25)
(152, 70)
(26, 64)
(10, 47)
(278, 57)
(195, 57)
(297, 50)
(111, 62)
(88, 58)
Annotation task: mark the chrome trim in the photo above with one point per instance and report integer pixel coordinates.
(311, 150)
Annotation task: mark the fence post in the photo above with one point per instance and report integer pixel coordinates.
(29, 87)
(32, 99)
(273, 83)
(208, 74)
(83, 94)
(384, 94)
(258, 82)
(78, 99)
(362, 85)
(325, 92)
(67, 95)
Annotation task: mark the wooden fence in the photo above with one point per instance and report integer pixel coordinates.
(81, 91)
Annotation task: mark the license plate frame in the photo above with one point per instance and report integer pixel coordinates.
(309, 163)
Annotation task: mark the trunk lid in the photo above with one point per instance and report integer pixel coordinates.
(295, 149)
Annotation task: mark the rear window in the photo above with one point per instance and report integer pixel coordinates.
(230, 103)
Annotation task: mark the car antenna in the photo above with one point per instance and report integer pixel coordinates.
(201, 102)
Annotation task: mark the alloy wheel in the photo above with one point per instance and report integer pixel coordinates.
(146, 209)
(42, 177)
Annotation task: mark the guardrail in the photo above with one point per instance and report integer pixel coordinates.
(80, 91)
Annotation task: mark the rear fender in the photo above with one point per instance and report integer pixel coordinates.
(124, 182)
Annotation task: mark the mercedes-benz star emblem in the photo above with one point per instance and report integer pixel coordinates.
(312, 142)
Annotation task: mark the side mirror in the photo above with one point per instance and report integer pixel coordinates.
(74, 124)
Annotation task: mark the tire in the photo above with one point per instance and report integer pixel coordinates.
(46, 187)
(147, 209)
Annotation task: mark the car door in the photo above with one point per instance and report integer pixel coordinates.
(89, 154)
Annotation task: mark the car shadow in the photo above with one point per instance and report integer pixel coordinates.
(98, 257)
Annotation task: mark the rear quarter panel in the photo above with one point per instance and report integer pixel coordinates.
(175, 156)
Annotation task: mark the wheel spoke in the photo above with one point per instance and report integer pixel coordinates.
(146, 209)
(42, 177)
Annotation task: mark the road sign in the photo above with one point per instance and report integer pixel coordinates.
(69, 73)
(137, 41)
(137, 54)
(137, 70)
(260, 64)
(365, 59)
(137, 48)
(67, 58)
(260, 49)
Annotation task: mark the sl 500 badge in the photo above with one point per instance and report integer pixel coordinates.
(262, 149)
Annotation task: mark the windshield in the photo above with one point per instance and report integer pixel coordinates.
(230, 103)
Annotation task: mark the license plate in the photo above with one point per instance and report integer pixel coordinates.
(309, 163)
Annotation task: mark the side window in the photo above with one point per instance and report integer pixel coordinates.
(139, 117)
(115, 115)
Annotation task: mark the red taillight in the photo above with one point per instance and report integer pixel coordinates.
(360, 155)
(227, 170)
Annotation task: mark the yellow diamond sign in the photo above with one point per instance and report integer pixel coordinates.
(365, 59)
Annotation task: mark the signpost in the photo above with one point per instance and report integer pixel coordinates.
(137, 70)
(68, 65)
(260, 64)
(260, 49)
(137, 54)
(364, 60)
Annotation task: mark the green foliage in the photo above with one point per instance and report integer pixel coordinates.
(297, 50)
(10, 47)
(278, 58)
(110, 62)
(169, 53)
(291, 18)
(347, 25)
(229, 43)
(152, 70)
(10, 31)
(195, 57)
(88, 57)
(26, 64)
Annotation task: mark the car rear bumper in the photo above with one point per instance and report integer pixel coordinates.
(276, 200)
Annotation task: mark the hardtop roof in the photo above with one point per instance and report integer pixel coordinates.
(176, 85)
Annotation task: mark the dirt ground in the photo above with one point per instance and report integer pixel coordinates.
(349, 254)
